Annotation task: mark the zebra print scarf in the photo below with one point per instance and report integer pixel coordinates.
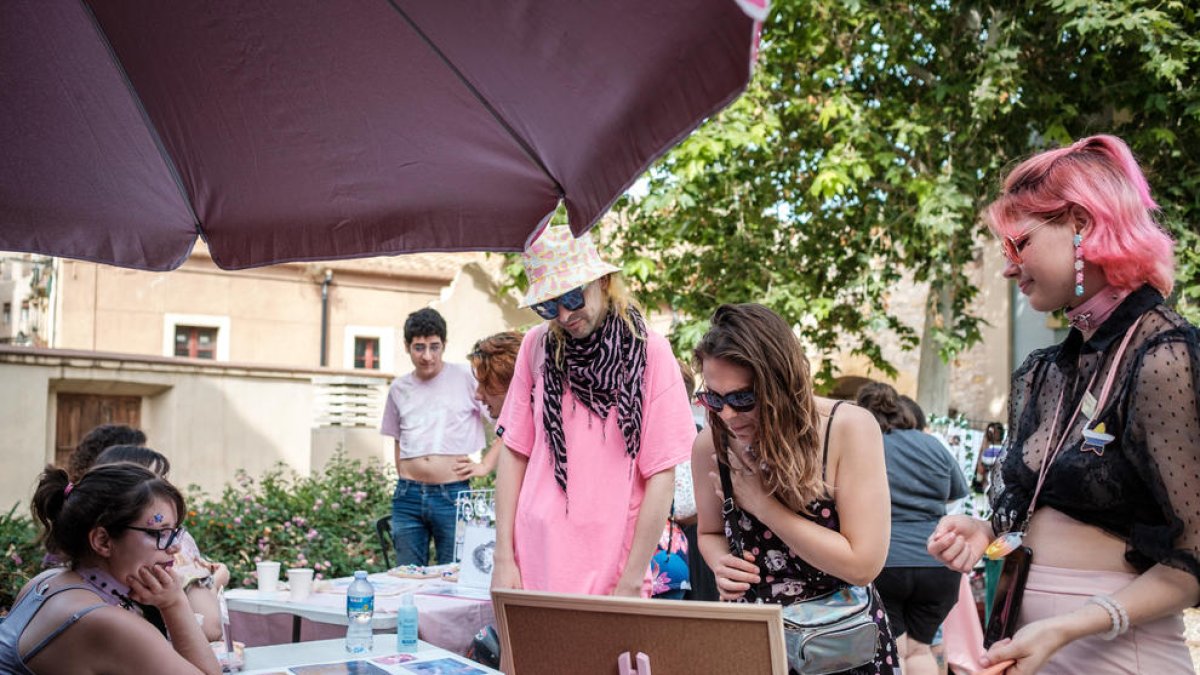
(602, 369)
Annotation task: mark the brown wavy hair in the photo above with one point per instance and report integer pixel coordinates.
(493, 359)
(788, 438)
(884, 403)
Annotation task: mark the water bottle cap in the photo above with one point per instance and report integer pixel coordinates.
(360, 574)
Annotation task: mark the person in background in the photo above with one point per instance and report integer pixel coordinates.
(918, 592)
(700, 577)
(492, 361)
(809, 487)
(914, 409)
(117, 529)
(595, 421)
(96, 441)
(202, 579)
(1097, 476)
(436, 421)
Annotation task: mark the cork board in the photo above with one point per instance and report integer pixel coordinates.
(552, 634)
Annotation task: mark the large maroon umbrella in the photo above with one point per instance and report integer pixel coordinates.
(285, 130)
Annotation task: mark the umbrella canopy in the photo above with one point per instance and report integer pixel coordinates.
(283, 130)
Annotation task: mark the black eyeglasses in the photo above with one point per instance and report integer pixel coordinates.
(570, 301)
(171, 536)
(741, 401)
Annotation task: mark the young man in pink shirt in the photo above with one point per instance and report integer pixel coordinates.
(595, 421)
(436, 421)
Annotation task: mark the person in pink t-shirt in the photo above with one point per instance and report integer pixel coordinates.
(595, 421)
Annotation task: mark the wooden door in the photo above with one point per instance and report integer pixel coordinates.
(80, 413)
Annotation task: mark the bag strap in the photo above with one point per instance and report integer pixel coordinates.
(727, 506)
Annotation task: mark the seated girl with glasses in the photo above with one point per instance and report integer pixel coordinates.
(202, 578)
(118, 530)
(810, 510)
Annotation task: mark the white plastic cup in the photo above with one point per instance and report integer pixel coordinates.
(300, 581)
(268, 576)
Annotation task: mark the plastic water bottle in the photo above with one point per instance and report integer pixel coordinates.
(360, 606)
(406, 626)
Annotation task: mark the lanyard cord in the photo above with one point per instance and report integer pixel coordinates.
(1049, 457)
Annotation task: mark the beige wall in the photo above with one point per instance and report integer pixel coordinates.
(979, 377)
(274, 313)
(211, 420)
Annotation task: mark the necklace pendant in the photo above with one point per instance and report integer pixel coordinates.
(1003, 545)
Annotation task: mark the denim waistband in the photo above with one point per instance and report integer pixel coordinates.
(454, 486)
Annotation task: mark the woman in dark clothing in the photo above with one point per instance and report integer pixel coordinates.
(1098, 473)
(918, 591)
(808, 481)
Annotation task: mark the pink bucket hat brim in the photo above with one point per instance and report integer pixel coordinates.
(558, 262)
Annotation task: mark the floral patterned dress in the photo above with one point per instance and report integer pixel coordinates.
(787, 578)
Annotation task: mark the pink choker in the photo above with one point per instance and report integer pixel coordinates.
(1088, 316)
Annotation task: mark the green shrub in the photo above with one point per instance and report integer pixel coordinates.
(325, 521)
(20, 555)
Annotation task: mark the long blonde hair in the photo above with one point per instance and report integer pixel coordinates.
(787, 439)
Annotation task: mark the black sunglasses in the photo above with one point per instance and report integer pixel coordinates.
(570, 301)
(172, 535)
(741, 401)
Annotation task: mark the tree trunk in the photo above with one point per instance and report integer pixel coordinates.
(933, 375)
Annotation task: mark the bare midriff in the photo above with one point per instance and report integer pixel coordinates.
(1059, 540)
(429, 468)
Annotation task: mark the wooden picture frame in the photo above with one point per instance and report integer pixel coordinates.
(554, 633)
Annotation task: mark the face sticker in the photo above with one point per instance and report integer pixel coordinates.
(157, 519)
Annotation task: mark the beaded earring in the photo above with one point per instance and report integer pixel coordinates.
(1078, 265)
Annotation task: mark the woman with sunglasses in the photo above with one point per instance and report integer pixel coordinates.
(118, 529)
(1097, 475)
(810, 511)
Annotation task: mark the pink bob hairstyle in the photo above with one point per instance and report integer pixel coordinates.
(1095, 182)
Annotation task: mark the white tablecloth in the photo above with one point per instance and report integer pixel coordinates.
(446, 621)
(263, 660)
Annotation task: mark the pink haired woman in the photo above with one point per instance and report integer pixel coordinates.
(1097, 476)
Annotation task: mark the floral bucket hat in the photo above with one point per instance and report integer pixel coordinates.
(558, 262)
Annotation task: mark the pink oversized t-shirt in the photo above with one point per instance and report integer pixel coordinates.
(585, 549)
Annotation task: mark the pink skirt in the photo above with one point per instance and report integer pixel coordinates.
(1157, 647)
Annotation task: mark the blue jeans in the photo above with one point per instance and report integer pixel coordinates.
(421, 510)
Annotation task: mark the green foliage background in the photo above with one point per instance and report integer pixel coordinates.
(872, 135)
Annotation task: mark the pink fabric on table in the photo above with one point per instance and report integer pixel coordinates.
(584, 549)
(1156, 647)
(962, 634)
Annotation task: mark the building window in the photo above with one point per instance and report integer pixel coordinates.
(24, 313)
(369, 348)
(196, 342)
(197, 336)
(8, 312)
(366, 353)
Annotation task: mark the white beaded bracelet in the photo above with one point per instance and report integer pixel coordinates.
(1116, 613)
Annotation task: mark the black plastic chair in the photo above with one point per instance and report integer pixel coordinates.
(383, 528)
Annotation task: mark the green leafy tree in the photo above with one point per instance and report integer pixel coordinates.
(872, 135)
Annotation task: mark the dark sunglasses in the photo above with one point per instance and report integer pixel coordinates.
(570, 301)
(171, 536)
(740, 401)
